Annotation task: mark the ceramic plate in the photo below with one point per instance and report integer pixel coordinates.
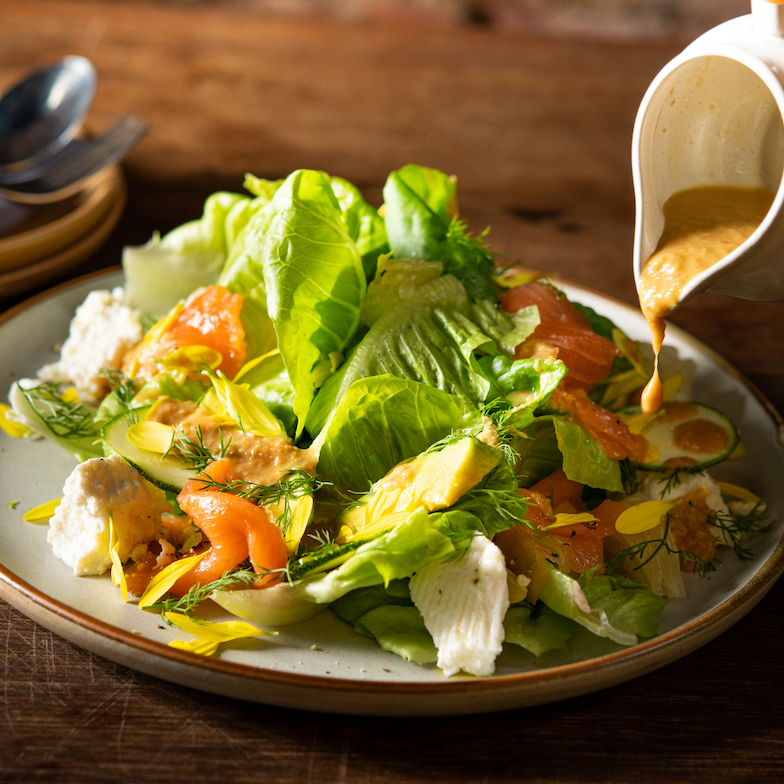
(321, 664)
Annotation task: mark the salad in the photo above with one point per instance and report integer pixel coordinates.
(301, 403)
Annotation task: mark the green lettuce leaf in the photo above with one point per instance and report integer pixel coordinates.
(430, 338)
(381, 421)
(351, 607)
(420, 207)
(363, 224)
(537, 451)
(166, 270)
(584, 460)
(314, 280)
(620, 608)
(399, 630)
(628, 604)
(396, 280)
(538, 630)
(398, 553)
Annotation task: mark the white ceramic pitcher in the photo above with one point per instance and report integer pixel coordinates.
(713, 116)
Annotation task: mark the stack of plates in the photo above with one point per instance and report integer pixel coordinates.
(38, 242)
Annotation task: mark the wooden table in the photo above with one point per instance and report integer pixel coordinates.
(538, 133)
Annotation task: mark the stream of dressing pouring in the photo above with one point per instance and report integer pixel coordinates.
(708, 152)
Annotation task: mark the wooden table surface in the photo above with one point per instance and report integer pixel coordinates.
(538, 133)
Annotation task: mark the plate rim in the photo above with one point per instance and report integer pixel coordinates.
(287, 687)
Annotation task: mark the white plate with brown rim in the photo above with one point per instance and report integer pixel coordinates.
(321, 664)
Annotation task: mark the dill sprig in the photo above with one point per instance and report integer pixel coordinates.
(294, 483)
(734, 526)
(701, 568)
(122, 386)
(245, 576)
(192, 452)
(630, 476)
(63, 418)
(458, 234)
(670, 482)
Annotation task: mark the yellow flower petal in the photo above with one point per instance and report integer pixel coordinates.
(70, 395)
(165, 579)
(254, 363)
(160, 327)
(202, 647)
(638, 422)
(642, 517)
(42, 513)
(118, 575)
(243, 408)
(738, 492)
(562, 519)
(151, 436)
(14, 429)
(671, 386)
(192, 358)
(216, 632)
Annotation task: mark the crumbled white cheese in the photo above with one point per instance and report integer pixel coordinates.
(463, 603)
(101, 332)
(96, 490)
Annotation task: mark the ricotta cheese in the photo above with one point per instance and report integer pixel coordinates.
(98, 490)
(101, 332)
(463, 603)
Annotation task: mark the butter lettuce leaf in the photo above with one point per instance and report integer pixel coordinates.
(399, 630)
(314, 280)
(431, 338)
(420, 207)
(398, 553)
(538, 630)
(379, 422)
(607, 605)
(167, 269)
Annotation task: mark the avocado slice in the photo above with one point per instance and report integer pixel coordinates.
(432, 480)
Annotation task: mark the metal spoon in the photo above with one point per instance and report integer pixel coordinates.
(69, 171)
(41, 114)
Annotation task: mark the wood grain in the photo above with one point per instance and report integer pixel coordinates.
(538, 133)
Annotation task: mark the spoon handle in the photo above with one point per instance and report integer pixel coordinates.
(68, 174)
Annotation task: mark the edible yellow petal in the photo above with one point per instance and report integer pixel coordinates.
(671, 386)
(202, 647)
(42, 513)
(118, 575)
(243, 408)
(740, 493)
(642, 517)
(14, 429)
(160, 327)
(300, 512)
(562, 519)
(254, 363)
(151, 436)
(638, 422)
(165, 579)
(192, 358)
(210, 631)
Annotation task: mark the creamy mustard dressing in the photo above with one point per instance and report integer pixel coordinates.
(701, 227)
(263, 461)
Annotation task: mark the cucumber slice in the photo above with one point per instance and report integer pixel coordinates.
(686, 436)
(169, 474)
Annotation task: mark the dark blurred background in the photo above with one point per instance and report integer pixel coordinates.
(623, 20)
